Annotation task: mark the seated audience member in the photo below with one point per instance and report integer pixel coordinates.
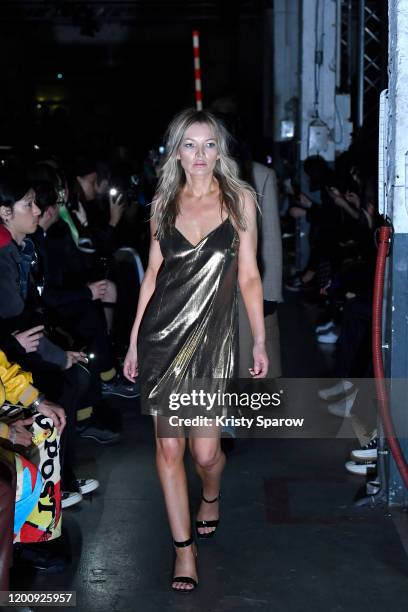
(325, 218)
(352, 288)
(30, 492)
(72, 302)
(356, 282)
(97, 212)
(109, 212)
(22, 321)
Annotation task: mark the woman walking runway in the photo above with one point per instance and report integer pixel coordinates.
(203, 241)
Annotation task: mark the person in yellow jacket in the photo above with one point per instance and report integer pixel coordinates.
(16, 387)
(30, 495)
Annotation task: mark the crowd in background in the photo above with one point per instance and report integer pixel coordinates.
(74, 239)
(68, 268)
(339, 205)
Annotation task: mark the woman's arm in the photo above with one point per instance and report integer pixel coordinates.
(146, 291)
(341, 201)
(251, 287)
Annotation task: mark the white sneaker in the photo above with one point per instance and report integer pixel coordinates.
(341, 387)
(330, 337)
(70, 498)
(324, 327)
(87, 485)
(342, 408)
(360, 469)
(366, 453)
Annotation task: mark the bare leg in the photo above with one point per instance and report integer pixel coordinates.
(209, 462)
(172, 475)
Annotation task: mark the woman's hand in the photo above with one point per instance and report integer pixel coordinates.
(337, 197)
(352, 198)
(19, 435)
(30, 338)
(261, 362)
(339, 200)
(130, 368)
(305, 201)
(55, 412)
(81, 215)
(98, 289)
(74, 357)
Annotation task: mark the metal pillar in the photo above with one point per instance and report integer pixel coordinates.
(318, 77)
(282, 70)
(360, 85)
(346, 51)
(372, 60)
(397, 201)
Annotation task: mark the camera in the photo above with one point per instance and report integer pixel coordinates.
(129, 187)
(89, 357)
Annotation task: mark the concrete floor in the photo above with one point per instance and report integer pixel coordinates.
(290, 539)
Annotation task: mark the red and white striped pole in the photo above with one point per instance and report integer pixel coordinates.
(197, 71)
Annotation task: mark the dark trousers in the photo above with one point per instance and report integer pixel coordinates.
(355, 340)
(67, 388)
(85, 321)
(7, 505)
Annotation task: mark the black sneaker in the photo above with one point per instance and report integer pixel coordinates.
(83, 485)
(121, 387)
(39, 557)
(98, 433)
(294, 283)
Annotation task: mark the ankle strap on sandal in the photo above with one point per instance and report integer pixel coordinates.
(185, 543)
(210, 501)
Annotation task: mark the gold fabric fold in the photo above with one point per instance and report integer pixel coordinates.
(189, 329)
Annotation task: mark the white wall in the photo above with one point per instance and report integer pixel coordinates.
(397, 162)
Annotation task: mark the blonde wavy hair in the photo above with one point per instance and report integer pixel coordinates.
(172, 177)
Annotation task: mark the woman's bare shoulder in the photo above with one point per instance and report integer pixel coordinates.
(248, 204)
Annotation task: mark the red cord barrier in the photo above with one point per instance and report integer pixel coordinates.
(383, 248)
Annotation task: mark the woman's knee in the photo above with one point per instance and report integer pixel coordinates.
(170, 450)
(205, 456)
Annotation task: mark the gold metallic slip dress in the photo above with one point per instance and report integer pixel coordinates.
(188, 333)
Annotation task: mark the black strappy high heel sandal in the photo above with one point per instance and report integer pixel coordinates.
(213, 523)
(186, 579)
